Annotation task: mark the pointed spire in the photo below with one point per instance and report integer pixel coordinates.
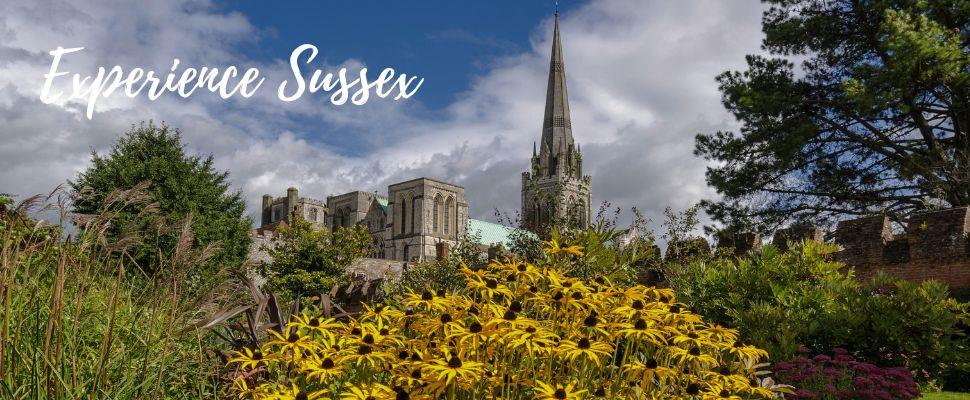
(533, 148)
(557, 133)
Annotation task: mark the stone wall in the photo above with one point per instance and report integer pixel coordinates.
(935, 245)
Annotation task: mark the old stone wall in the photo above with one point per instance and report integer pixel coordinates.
(935, 245)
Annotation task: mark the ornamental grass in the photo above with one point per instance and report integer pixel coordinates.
(517, 331)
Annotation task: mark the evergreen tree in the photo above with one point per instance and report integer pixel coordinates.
(875, 120)
(179, 184)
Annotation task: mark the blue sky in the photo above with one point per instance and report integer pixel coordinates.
(640, 76)
(449, 42)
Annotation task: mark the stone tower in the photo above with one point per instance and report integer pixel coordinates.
(556, 191)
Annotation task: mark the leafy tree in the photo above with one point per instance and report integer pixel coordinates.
(875, 119)
(180, 185)
(307, 260)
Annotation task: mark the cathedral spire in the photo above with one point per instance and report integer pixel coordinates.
(557, 135)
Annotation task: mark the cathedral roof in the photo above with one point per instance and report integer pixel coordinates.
(557, 131)
(491, 233)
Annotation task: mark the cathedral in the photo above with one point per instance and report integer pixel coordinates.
(422, 218)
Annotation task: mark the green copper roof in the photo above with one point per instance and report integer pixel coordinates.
(383, 203)
(490, 233)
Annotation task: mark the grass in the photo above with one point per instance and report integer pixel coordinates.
(78, 320)
(945, 396)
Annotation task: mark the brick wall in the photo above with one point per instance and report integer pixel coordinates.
(935, 245)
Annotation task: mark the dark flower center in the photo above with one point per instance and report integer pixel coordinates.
(491, 283)
(557, 296)
(257, 355)
(369, 339)
(637, 305)
(510, 278)
(416, 374)
(600, 392)
(567, 284)
(533, 289)
(327, 363)
(724, 370)
(693, 389)
(652, 363)
(403, 354)
(473, 309)
(530, 329)
(454, 362)
(315, 322)
(591, 321)
(441, 293)
(445, 318)
(675, 309)
(509, 315)
(521, 268)
(577, 296)
(385, 331)
(364, 350)
(301, 396)
(475, 327)
(355, 331)
(724, 393)
(693, 335)
(583, 343)
(599, 280)
(694, 351)
(516, 306)
(560, 393)
(293, 338)
(426, 296)
(640, 324)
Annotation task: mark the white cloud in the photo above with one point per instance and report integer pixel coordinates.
(641, 85)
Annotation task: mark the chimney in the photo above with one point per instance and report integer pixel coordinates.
(292, 195)
(441, 250)
(267, 210)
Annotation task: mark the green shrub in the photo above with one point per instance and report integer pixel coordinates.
(310, 261)
(783, 300)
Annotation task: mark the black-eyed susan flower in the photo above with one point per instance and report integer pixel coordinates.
(545, 391)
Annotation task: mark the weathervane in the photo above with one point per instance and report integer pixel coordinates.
(557, 7)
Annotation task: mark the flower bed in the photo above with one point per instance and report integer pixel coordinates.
(518, 330)
(840, 376)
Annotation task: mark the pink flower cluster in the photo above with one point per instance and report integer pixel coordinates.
(840, 376)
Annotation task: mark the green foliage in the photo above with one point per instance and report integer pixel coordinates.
(79, 321)
(180, 185)
(311, 261)
(875, 118)
(784, 300)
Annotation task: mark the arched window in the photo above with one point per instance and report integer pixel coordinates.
(436, 210)
(313, 214)
(449, 205)
(404, 213)
(552, 165)
(414, 215)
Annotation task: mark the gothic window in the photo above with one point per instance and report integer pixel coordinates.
(414, 215)
(404, 213)
(449, 206)
(313, 214)
(436, 210)
(552, 165)
(535, 211)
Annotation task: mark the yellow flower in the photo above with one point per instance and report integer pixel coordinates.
(293, 341)
(252, 359)
(545, 391)
(552, 247)
(294, 393)
(324, 369)
(454, 369)
(584, 348)
(374, 391)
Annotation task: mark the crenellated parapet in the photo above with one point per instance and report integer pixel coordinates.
(933, 245)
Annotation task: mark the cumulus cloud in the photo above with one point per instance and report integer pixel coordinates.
(640, 75)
